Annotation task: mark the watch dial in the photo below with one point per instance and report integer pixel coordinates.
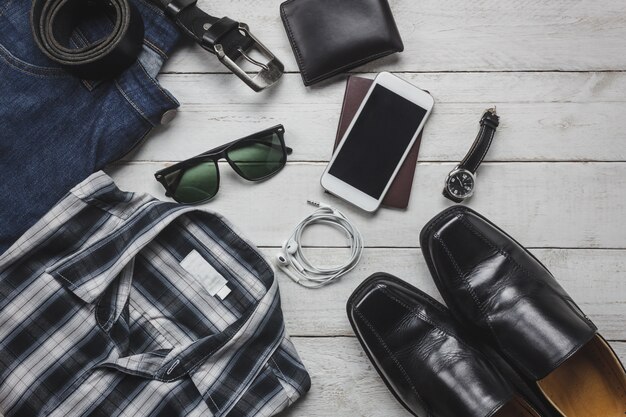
(461, 184)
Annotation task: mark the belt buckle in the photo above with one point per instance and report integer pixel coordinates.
(270, 72)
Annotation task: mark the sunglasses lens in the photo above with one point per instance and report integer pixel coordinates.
(197, 183)
(258, 158)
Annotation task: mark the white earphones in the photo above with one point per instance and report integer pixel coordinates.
(283, 263)
(291, 255)
(284, 259)
(292, 247)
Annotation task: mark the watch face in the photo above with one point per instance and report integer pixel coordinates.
(461, 184)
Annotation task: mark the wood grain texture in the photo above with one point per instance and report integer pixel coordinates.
(540, 204)
(593, 278)
(457, 35)
(557, 73)
(344, 383)
(544, 116)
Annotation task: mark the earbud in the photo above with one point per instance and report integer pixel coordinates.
(281, 260)
(283, 263)
(292, 247)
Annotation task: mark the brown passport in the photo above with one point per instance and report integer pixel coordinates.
(398, 194)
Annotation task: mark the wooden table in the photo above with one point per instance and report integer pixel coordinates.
(555, 178)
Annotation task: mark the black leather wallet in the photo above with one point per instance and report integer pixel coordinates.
(332, 36)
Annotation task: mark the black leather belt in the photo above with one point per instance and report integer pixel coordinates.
(227, 39)
(53, 22)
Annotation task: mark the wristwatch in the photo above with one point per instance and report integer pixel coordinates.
(461, 181)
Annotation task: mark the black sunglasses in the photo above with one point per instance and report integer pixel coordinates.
(255, 158)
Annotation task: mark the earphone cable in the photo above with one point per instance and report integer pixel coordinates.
(296, 265)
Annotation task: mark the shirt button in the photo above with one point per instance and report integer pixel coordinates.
(168, 116)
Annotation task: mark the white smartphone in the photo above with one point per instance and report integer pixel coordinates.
(377, 141)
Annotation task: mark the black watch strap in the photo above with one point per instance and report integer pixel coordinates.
(488, 125)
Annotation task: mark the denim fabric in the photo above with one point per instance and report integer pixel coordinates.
(56, 129)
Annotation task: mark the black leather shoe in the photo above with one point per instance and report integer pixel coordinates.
(501, 292)
(422, 355)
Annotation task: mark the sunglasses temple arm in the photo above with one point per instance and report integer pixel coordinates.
(288, 150)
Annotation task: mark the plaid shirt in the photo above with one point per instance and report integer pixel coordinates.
(101, 314)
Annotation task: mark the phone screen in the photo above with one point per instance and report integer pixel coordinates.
(377, 141)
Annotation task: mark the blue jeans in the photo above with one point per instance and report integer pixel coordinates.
(56, 129)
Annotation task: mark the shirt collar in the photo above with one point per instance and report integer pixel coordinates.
(91, 270)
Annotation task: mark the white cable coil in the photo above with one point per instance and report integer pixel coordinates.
(293, 262)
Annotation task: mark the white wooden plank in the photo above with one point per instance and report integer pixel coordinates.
(457, 35)
(541, 204)
(344, 383)
(529, 132)
(592, 277)
(544, 116)
(521, 87)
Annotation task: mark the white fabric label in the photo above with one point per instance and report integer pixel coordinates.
(208, 276)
